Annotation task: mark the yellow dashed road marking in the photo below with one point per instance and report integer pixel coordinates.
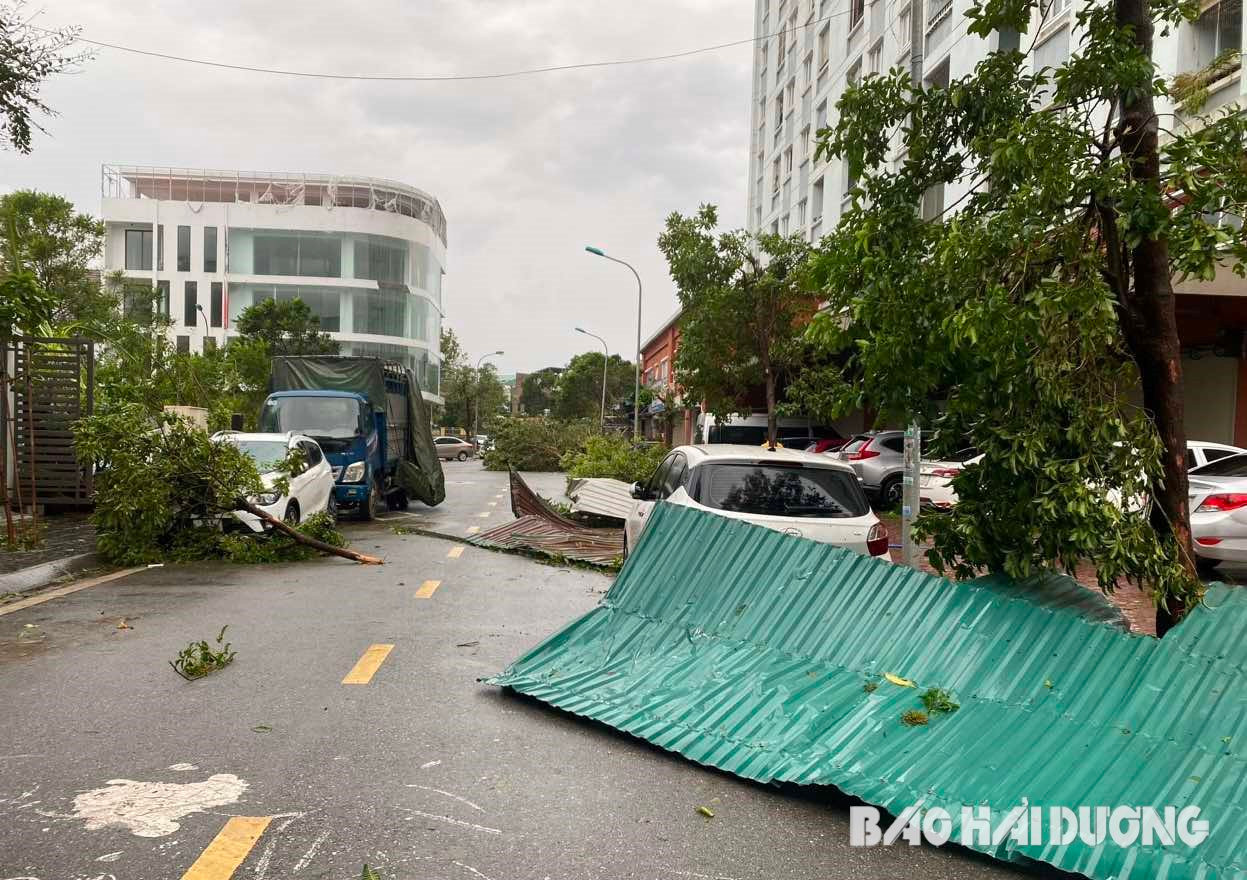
(368, 665)
(427, 589)
(472, 530)
(455, 553)
(228, 849)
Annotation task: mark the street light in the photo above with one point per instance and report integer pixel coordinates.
(207, 325)
(476, 416)
(605, 362)
(636, 391)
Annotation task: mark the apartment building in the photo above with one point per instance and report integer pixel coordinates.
(809, 51)
(367, 256)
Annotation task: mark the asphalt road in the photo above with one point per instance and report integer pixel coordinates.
(114, 768)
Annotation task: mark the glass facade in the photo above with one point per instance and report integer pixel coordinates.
(325, 302)
(427, 372)
(334, 255)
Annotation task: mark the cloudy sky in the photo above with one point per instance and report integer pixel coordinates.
(528, 169)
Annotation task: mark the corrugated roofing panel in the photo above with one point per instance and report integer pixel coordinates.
(602, 496)
(747, 650)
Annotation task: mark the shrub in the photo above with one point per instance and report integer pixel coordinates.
(610, 455)
(534, 444)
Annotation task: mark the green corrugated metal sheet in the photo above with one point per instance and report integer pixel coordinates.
(747, 650)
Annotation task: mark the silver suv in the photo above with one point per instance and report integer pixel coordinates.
(878, 458)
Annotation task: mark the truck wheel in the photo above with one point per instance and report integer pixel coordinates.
(371, 508)
(397, 500)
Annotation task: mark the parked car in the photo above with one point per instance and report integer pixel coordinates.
(483, 442)
(1218, 496)
(827, 444)
(798, 493)
(311, 484)
(878, 458)
(453, 447)
(1200, 453)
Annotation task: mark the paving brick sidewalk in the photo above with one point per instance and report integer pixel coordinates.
(65, 534)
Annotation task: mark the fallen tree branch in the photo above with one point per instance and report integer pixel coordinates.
(299, 537)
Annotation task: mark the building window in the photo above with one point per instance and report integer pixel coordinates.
(850, 179)
(139, 249)
(805, 144)
(783, 50)
(854, 76)
(1050, 9)
(816, 209)
(775, 227)
(857, 11)
(788, 162)
(783, 225)
(904, 28)
(790, 95)
(184, 248)
(933, 202)
(801, 214)
(1219, 29)
(218, 299)
(379, 261)
(162, 298)
(775, 176)
(820, 116)
(184, 345)
(807, 70)
(874, 58)
(210, 249)
(160, 248)
(190, 303)
(824, 48)
(779, 112)
(308, 254)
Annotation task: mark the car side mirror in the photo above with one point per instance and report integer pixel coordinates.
(639, 492)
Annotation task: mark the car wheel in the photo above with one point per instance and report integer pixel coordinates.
(291, 517)
(891, 492)
(331, 507)
(462, 456)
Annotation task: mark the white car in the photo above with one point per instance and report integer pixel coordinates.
(311, 488)
(798, 493)
(937, 476)
(1218, 496)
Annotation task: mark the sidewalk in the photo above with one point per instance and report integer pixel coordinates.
(64, 534)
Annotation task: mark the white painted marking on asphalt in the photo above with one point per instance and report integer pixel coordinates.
(429, 764)
(700, 876)
(270, 845)
(111, 857)
(183, 767)
(311, 851)
(14, 757)
(451, 821)
(448, 794)
(473, 870)
(150, 809)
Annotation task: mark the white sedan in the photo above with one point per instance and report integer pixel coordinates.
(798, 493)
(311, 485)
(1218, 495)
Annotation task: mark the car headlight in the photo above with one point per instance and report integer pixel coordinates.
(354, 472)
(264, 499)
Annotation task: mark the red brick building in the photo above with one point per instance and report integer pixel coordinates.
(658, 374)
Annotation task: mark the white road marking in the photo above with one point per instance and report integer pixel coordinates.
(473, 870)
(429, 764)
(183, 767)
(266, 856)
(451, 821)
(111, 857)
(448, 794)
(151, 809)
(311, 851)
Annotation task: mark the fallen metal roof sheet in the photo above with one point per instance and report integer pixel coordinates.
(602, 496)
(747, 650)
(542, 529)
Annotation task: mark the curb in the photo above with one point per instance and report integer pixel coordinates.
(26, 579)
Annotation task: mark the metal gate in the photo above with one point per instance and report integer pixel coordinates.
(46, 385)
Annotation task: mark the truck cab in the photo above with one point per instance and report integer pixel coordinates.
(352, 437)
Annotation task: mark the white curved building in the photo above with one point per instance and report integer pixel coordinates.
(368, 256)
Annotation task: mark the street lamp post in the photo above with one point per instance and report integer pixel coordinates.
(606, 357)
(636, 390)
(476, 403)
(207, 325)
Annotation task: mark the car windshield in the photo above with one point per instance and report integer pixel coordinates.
(266, 454)
(333, 417)
(1230, 466)
(776, 490)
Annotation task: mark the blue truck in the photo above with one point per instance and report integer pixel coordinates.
(370, 420)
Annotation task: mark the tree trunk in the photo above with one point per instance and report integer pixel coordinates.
(344, 552)
(1150, 326)
(770, 408)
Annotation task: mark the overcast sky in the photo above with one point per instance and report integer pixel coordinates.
(528, 170)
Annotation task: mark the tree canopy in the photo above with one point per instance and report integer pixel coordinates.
(1023, 313)
(745, 305)
(286, 327)
(578, 391)
(31, 55)
(539, 390)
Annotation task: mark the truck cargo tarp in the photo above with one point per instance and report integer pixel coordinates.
(419, 469)
(768, 656)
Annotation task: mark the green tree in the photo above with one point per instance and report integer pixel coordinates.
(745, 305)
(1020, 318)
(30, 55)
(49, 238)
(285, 327)
(578, 392)
(539, 390)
